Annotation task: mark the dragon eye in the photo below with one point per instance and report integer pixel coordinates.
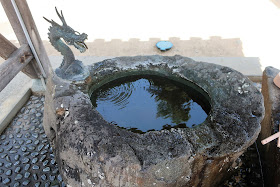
(76, 32)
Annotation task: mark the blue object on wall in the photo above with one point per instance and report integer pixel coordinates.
(164, 45)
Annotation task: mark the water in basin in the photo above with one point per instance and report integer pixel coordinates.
(147, 103)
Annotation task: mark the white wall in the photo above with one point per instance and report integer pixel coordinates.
(255, 22)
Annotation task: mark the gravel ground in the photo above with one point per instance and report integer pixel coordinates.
(249, 171)
(26, 157)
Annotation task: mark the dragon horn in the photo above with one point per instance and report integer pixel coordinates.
(61, 17)
(47, 20)
(52, 22)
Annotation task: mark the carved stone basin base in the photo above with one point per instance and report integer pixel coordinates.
(92, 152)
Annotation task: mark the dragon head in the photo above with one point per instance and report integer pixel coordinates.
(69, 35)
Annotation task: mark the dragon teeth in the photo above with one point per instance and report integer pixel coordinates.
(82, 44)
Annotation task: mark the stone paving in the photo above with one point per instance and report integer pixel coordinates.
(26, 157)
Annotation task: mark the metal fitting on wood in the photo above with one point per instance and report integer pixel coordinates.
(24, 57)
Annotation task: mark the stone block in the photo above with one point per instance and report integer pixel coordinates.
(270, 153)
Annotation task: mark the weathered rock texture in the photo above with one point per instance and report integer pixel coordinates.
(92, 152)
(270, 125)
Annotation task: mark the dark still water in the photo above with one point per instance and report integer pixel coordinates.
(146, 103)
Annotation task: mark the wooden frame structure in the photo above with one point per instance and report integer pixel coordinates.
(22, 58)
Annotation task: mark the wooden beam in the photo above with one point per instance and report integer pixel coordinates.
(14, 64)
(29, 70)
(270, 138)
(11, 14)
(6, 47)
(34, 35)
(32, 69)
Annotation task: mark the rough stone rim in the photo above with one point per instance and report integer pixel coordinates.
(181, 68)
(214, 137)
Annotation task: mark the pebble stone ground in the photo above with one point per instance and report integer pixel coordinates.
(26, 157)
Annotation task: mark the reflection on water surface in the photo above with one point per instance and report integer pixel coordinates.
(147, 103)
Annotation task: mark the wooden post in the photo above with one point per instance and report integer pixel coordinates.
(33, 33)
(29, 70)
(16, 61)
(6, 47)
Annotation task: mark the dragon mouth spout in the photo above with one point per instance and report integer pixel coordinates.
(67, 34)
(81, 46)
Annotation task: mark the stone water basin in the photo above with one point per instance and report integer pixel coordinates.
(91, 151)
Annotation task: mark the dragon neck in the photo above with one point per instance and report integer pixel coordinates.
(68, 56)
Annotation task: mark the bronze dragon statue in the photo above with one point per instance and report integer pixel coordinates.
(70, 68)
